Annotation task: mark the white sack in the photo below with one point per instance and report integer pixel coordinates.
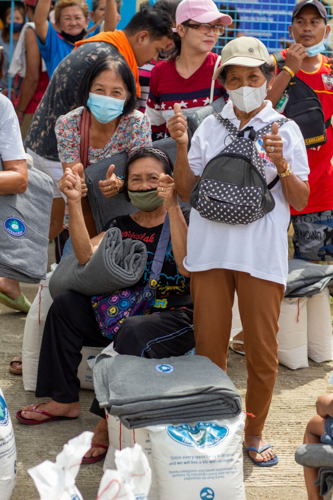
(7, 452)
(292, 335)
(203, 460)
(56, 481)
(84, 371)
(119, 438)
(319, 327)
(33, 334)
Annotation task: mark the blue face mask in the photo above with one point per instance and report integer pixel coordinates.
(104, 108)
(315, 49)
(17, 27)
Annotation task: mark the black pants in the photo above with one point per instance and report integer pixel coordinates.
(71, 324)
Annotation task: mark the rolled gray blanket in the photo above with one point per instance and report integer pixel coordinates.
(315, 455)
(116, 264)
(173, 390)
(324, 480)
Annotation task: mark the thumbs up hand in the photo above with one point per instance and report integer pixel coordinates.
(273, 146)
(177, 126)
(112, 184)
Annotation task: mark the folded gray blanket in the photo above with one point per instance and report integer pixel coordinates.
(315, 455)
(24, 229)
(116, 264)
(173, 390)
(306, 279)
(324, 480)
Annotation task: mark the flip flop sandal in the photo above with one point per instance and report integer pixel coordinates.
(269, 463)
(232, 341)
(15, 371)
(20, 304)
(94, 460)
(52, 418)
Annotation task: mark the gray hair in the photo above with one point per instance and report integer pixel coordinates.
(268, 71)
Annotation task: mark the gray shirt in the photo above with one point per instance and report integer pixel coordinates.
(11, 145)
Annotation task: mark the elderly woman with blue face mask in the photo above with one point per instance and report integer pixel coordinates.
(237, 252)
(108, 95)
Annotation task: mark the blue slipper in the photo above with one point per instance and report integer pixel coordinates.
(269, 463)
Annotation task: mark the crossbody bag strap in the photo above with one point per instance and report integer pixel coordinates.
(212, 87)
(227, 124)
(268, 128)
(84, 135)
(161, 249)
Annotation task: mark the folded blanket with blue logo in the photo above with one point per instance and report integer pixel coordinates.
(116, 264)
(173, 390)
(24, 229)
(306, 279)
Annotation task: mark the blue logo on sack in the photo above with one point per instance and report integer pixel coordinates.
(15, 227)
(4, 413)
(164, 368)
(201, 435)
(207, 494)
(75, 497)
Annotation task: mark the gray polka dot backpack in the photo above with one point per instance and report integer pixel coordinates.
(233, 187)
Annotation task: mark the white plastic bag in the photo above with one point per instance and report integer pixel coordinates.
(292, 335)
(119, 438)
(7, 452)
(56, 481)
(33, 333)
(203, 460)
(132, 479)
(319, 327)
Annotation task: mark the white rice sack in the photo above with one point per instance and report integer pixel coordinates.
(119, 438)
(292, 335)
(84, 372)
(236, 326)
(319, 327)
(7, 452)
(56, 481)
(33, 333)
(199, 461)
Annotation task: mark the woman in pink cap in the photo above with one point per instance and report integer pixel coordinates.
(186, 77)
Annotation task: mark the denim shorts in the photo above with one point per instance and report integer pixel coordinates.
(313, 236)
(327, 438)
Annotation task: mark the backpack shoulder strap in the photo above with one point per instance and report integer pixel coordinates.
(279, 59)
(84, 137)
(227, 124)
(268, 128)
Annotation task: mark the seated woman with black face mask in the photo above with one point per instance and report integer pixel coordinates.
(166, 331)
(71, 21)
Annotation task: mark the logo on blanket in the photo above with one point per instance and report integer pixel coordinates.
(164, 368)
(15, 227)
(207, 494)
(4, 413)
(201, 435)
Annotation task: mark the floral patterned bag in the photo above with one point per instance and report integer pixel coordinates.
(112, 309)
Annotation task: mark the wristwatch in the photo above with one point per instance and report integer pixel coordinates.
(287, 172)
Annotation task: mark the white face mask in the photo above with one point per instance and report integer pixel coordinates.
(248, 98)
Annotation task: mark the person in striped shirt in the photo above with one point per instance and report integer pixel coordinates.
(186, 77)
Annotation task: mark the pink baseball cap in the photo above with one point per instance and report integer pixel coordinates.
(201, 11)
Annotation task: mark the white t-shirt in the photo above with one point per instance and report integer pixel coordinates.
(11, 145)
(261, 247)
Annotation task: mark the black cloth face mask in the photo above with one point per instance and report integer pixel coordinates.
(73, 38)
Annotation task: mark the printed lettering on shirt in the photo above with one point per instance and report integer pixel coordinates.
(136, 236)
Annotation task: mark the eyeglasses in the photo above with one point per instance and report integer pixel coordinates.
(218, 29)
